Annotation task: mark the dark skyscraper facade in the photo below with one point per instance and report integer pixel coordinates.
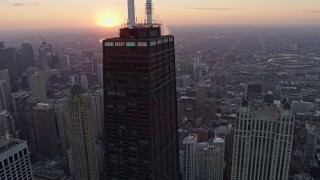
(26, 56)
(8, 60)
(140, 105)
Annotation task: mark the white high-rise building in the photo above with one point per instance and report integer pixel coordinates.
(84, 81)
(190, 144)
(38, 86)
(82, 147)
(98, 113)
(14, 159)
(262, 141)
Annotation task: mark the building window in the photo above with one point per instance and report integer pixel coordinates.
(109, 44)
(121, 94)
(112, 93)
(119, 44)
(109, 106)
(142, 44)
(131, 44)
(165, 40)
(159, 41)
(153, 43)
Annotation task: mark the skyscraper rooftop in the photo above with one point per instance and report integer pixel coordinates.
(77, 89)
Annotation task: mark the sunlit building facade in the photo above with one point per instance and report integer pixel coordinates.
(82, 147)
(262, 141)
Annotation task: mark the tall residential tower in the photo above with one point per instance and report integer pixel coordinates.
(140, 102)
(82, 147)
(262, 141)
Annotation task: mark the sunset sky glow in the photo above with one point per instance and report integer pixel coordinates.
(84, 13)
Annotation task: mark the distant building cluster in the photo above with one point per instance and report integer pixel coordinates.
(223, 104)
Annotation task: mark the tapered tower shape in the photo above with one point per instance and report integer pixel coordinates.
(140, 104)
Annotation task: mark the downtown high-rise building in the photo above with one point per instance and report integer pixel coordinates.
(4, 75)
(213, 159)
(190, 157)
(84, 81)
(44, 54)
(26, 56)
(44, 130)
(100, 74)
(38, 86)
(62, 116)
(140, 102)
(20, 100)
(98, 113)
(14, 159)
(9, 60)
(7, 126)
(4, 98)
(262, 140)
(82, 151)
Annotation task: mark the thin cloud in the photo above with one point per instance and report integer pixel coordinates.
(18, 4)
(213, 9)
(209, 9)
(311, 11)
(24, 4)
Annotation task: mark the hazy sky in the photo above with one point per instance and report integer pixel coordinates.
(79, 13)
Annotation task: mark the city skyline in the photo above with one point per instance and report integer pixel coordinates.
(219, 90)
(35, 14)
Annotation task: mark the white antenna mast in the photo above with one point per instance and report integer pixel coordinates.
(149, 13)
(131, 14)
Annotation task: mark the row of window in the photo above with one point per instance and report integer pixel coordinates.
(139, 44)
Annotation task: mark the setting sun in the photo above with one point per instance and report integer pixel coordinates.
(107, 19)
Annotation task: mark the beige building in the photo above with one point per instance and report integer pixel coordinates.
(82, 147)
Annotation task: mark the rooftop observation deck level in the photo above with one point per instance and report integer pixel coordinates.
(141, 31)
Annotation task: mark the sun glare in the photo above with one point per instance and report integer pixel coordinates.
(107, 19)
